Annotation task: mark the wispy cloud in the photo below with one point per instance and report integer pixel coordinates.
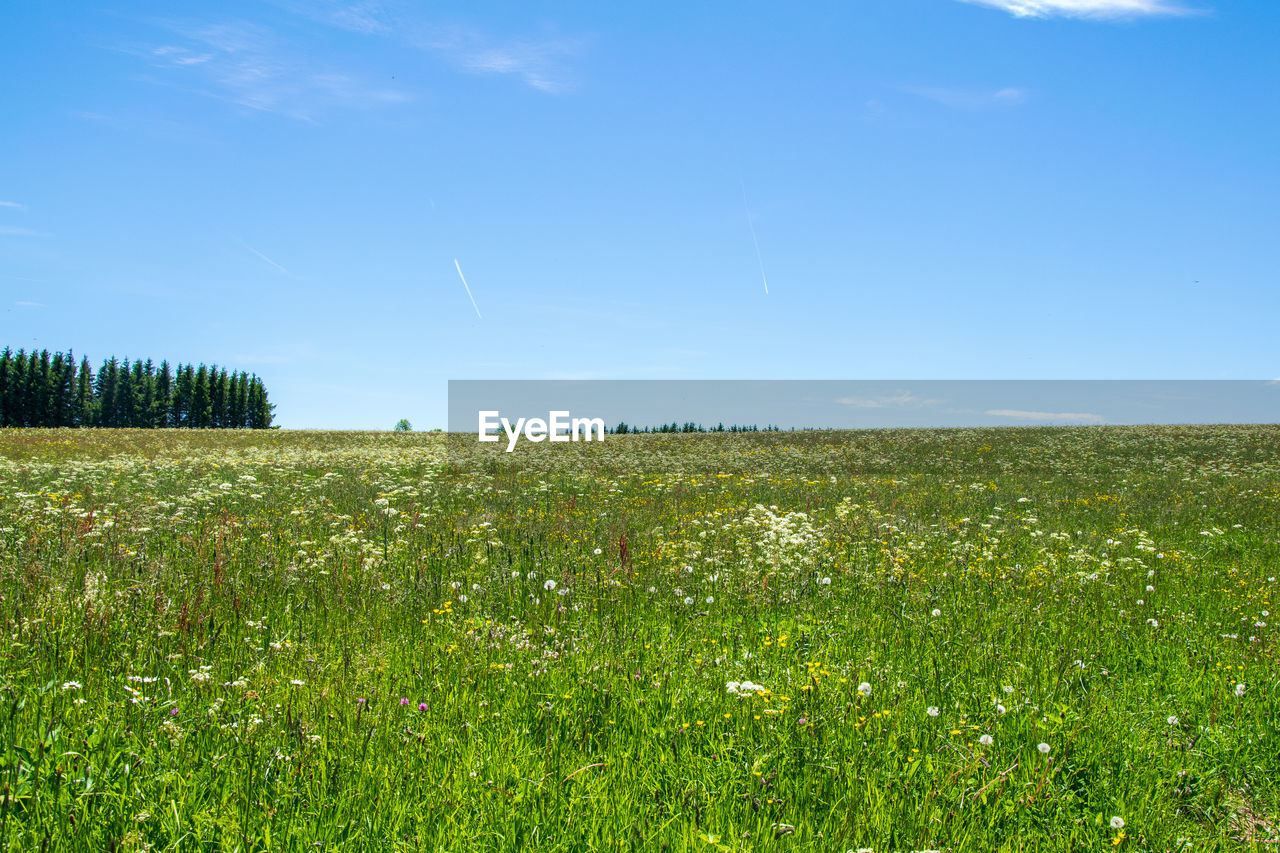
(253, 67)
(22, 303)
(899, 399)
(536, 63)
(539, 61)
(1085, 8)
(13, 204)
(1055, 417)
(969, 99)
(12, 231)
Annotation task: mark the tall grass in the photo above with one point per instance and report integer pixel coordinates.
(895, 640)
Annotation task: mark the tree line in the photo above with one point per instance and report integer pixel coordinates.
(43, 390)
(623, 428)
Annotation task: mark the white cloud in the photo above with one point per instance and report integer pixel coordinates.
(969, 99)
(13, 204)
(898, 400)
(1057, 417)
(22, 303)
(11, 231)
(1084, 8)
(536, 61)
(539, 63)
(250, 66)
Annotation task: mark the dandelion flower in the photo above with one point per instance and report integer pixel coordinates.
(1044, 748)
(936, 612)
(932, 711)
(597, 552)
(1173, 721)
(1117, 822)
(1239, 690)
(549, 585)
(986, 740)
(865, 688)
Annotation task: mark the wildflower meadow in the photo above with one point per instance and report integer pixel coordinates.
(1003, 639)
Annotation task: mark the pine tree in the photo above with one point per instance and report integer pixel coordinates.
(6, 399)
(217, 397)
(162, 402)
(200, 399)
(82, 413)
(62, 378)
(125, 404)
(235, 408)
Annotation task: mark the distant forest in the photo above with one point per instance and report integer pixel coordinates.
(43, 390)
(624, 428)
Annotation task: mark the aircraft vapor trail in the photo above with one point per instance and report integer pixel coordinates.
(265, 258)
(464, 284)
(754, 241)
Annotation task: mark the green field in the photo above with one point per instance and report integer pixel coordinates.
(895, 640)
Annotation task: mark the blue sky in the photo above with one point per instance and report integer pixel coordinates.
(937, 188)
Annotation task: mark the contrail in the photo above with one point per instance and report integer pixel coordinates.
(464, 284)
(754, 241)
(265, 258)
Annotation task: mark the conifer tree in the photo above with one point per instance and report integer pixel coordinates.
(160, 405)
(124, 395)
(82, 411)
(200, 398)
(6, 401)
(235, 408)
